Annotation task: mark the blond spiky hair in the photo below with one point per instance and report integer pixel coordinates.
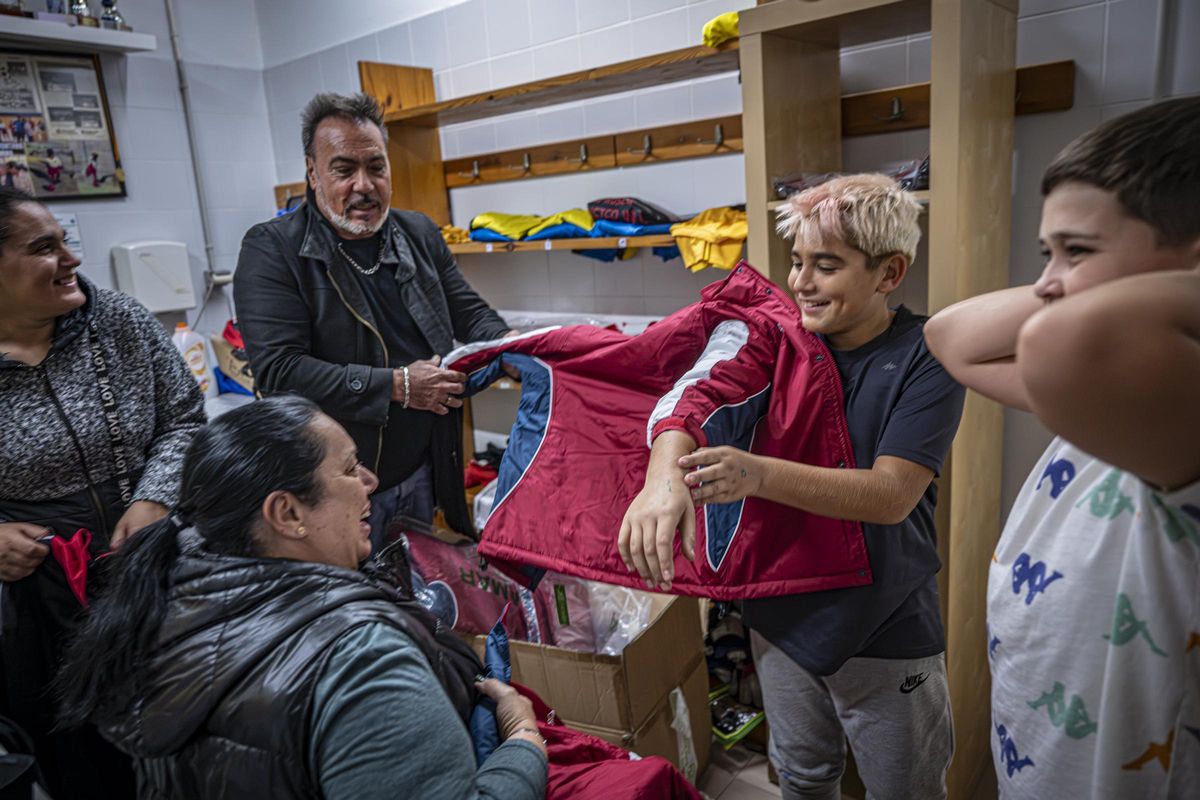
(869, 212)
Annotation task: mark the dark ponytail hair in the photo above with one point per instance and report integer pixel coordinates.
(231, 466)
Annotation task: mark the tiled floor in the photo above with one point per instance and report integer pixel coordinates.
(737, 774)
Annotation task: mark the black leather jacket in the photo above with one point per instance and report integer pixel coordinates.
(224, 704)
(309, 330)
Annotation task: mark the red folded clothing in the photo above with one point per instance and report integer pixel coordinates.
(629, 209)
(583, 767)
(478, 474)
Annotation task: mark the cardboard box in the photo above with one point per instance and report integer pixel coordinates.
(625, 699)
(236, 369)
(656, 737)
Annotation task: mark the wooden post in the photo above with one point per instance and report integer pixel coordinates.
(792, 122)
(414, 150)
(971, 140)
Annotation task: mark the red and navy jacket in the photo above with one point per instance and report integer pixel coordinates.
(735, 369)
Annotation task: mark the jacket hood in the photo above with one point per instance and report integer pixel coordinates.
(225, 615)
(67, 327)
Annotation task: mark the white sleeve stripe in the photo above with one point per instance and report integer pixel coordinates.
(475, 347)
(724, 344)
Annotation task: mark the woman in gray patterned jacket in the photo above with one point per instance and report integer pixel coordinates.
(96, 411)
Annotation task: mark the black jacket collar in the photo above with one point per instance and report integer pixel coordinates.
(320, 242)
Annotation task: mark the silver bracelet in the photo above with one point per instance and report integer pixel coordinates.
(406, 387)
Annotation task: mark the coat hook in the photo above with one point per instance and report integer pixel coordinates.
(583, 156)
(525, 165)
(896, 111)
(718, 136)
(474, 173)
(647, 146)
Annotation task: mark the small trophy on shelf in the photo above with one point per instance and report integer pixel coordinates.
(80, 9)
(111, 18)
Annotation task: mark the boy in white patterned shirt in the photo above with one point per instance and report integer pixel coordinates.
(1094, 590)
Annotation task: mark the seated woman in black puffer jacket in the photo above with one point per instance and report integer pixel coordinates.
(248, 656)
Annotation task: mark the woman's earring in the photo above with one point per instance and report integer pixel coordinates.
(301, 532)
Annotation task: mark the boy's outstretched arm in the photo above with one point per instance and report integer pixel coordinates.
(1116, 371)
(885, 494)
(976, 341)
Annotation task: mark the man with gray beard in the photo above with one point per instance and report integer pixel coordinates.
(353, 304)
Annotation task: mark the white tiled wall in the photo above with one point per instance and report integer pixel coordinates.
(219, 41)
(478, 45)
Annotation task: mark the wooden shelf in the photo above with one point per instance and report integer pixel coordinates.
(1040, 88)
(706, 137)
(560, 245)
(677, 65)
(838, 23)
(41, 34)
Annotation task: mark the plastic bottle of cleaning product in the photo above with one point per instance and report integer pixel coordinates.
(194, 350)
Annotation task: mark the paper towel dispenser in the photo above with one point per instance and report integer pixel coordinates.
(156, 273)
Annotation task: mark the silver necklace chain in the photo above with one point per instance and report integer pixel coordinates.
(359, 267)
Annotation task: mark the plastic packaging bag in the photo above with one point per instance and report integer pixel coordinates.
(567, 610)
(483, 505)
(681, 722)
(619, 614)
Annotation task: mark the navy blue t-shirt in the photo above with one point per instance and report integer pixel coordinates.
(899, 402)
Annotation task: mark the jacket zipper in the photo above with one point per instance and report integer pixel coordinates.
(386, 358)
(87, 473)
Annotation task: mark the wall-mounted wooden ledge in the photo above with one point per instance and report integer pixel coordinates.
(1039, 88)
(602, 243)
(639, 73)
(718, 136)
(1042, 87)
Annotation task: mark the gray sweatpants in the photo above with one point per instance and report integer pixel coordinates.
(895, 712)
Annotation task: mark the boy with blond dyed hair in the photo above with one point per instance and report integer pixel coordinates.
(865, 663)
(1094, 587)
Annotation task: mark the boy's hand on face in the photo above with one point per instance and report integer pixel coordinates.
(725, 475)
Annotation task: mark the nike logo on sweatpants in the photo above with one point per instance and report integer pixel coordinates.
(913, 681)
